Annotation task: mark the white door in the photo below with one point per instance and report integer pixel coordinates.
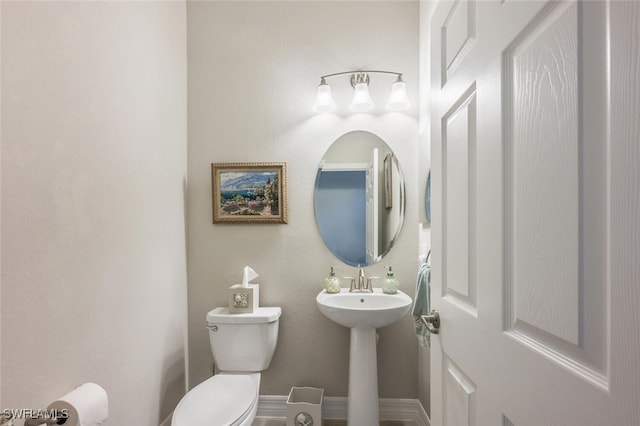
(536, 213)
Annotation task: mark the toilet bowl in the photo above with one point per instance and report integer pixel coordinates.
(242, 346)
(224, 399)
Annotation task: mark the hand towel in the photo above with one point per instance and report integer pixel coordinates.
(421, 304)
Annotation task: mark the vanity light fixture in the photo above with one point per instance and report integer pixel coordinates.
(324, 100)
(361, 101)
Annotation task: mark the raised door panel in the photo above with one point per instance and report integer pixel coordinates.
(459, 396)
(458, 194)
(458, 36)
(554, 193)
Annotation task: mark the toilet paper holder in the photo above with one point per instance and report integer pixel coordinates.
(87, 404)
(41, 419)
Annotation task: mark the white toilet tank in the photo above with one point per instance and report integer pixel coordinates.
(243, 342)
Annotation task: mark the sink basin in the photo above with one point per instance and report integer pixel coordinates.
(369, 310)
(363, 313)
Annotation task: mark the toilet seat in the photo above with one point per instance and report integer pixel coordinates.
(222, 400)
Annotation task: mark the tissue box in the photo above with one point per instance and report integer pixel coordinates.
(243, 300)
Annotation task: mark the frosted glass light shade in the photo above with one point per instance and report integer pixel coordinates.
(361, 101)
(324, 100)
(398, 100)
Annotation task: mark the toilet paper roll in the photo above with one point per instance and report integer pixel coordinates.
(86, 405)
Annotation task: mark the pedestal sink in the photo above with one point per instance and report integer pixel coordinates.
(363, 313)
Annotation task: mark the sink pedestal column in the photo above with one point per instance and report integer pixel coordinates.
(363, 378)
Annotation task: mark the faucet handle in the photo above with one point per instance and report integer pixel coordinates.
(369, 284)
(352, 285)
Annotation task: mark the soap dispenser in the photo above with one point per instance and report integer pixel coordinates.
(390, 284)
(332, 283)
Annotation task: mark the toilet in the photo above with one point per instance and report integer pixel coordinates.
(242, 346)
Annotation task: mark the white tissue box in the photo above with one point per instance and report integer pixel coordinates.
(244, 300)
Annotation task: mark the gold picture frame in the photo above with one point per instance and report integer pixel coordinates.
(249, 192)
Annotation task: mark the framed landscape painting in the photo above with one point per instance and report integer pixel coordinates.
(249, 192)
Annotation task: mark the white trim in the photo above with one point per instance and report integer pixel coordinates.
(272, 406)
(275, 406)
(335, 407)
(344, 167)
(422, 418)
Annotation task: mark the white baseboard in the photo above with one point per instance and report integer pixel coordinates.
(336, 408)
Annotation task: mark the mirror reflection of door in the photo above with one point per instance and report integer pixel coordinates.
(372, 208)
(341, 208)
(358, 200)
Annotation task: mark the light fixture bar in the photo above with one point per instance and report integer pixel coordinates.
(361, 101)
(399, 74)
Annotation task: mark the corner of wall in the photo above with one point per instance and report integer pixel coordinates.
(1, 206)
(427, 8)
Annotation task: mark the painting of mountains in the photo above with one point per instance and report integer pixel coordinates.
(238, 181)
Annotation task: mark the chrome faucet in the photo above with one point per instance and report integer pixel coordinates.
(361, 280)
(364, 284)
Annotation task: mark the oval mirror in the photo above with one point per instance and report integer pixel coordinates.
(359, 198)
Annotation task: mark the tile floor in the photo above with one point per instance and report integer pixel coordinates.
(263, 421)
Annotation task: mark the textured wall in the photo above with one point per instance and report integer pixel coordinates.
(253, 71)
(93, 222)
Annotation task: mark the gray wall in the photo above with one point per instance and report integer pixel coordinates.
(93, 223)
(253, 69)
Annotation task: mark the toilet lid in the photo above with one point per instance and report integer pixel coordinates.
(221, 400)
